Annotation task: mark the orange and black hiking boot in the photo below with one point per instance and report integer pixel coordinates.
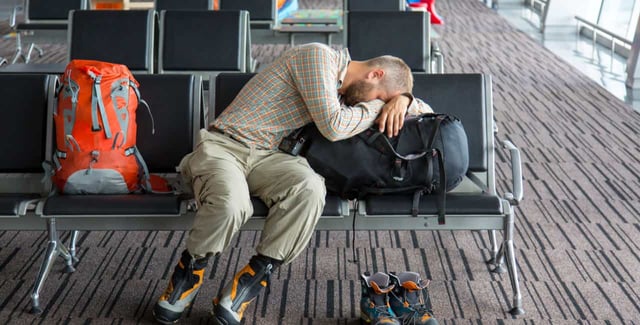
(374, 304)
(409, 299)
(246, 285)
(184, 285)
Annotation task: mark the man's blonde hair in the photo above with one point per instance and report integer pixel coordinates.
(397, 76)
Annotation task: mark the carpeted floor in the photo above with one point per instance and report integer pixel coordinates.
(577, 232)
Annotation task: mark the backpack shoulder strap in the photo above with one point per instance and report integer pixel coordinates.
(143, 102)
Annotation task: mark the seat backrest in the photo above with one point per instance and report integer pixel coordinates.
(51, 11)
(227, 87)
(23, 122)
(463, 96)
(402, 34)
(260, 11)
(200, 41)
(377, 5)
(183, 5)
(117, 36)
(174, 101)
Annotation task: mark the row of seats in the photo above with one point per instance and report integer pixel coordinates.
(186, 41)
(215, 41)
(175, 101)
(52, 17)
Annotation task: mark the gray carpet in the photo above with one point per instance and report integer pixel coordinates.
(576, 232)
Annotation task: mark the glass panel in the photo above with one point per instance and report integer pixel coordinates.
(616, 16)
(634, 20)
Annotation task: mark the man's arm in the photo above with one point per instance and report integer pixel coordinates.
(315, 75)
(393, 113)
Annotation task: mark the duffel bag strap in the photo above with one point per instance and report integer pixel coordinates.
(428, 142)
(442, 187)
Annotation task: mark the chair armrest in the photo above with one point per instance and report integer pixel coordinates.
(515, 196)
(437, 57)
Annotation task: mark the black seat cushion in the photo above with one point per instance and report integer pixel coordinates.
(378, 5)
(171, 100)
(24, 119)
(332, 207)
(190, 45)
(228, 85)
(402, 33)
(183, 5)
(258, 9)
(57, 10)
(9, 202)
(142, 204)
(41, 26)
(117, 36)
(463, 96)
(464, 204)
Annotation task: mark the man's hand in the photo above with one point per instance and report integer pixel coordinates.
(392, 116)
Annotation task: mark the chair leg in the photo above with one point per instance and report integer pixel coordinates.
(72, 246)
(18, 53)
(54, 248)
(3, 61)
(40, 50)
(499, 260)
(32, 47)
(49, 259)
(512, 266)
(494, 247)
(68, 258)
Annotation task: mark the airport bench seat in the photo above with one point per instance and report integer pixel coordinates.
(473, 205)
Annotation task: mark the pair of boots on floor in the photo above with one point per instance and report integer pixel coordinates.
(395, 299)
(386, 298)
(229, 305)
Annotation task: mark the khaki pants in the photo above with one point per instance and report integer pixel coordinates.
(224, 175)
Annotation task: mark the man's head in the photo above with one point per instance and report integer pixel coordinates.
(383, 78)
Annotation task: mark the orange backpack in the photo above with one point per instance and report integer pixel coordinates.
(95, 121)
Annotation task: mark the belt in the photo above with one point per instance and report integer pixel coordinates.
(216, 130)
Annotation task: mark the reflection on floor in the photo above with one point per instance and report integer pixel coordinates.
(598, 64)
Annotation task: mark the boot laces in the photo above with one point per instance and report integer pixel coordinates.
(382, 310)
(416, 310)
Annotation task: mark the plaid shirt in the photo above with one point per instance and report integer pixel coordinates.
(300, 87)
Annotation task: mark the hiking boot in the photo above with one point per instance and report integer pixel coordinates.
(246, 285)
(184, 285)
(374, 304)
(409, 299)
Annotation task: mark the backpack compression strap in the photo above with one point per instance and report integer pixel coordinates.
(97, 105)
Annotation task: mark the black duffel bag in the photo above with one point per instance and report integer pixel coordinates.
(429, 155)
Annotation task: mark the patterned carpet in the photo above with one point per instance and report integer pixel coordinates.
(577, 232)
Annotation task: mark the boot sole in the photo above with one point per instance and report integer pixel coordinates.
(163, 321)
(217, 315)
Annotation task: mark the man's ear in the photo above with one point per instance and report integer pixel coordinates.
(375, 74)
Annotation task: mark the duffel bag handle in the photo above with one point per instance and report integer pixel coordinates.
(379, 141)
